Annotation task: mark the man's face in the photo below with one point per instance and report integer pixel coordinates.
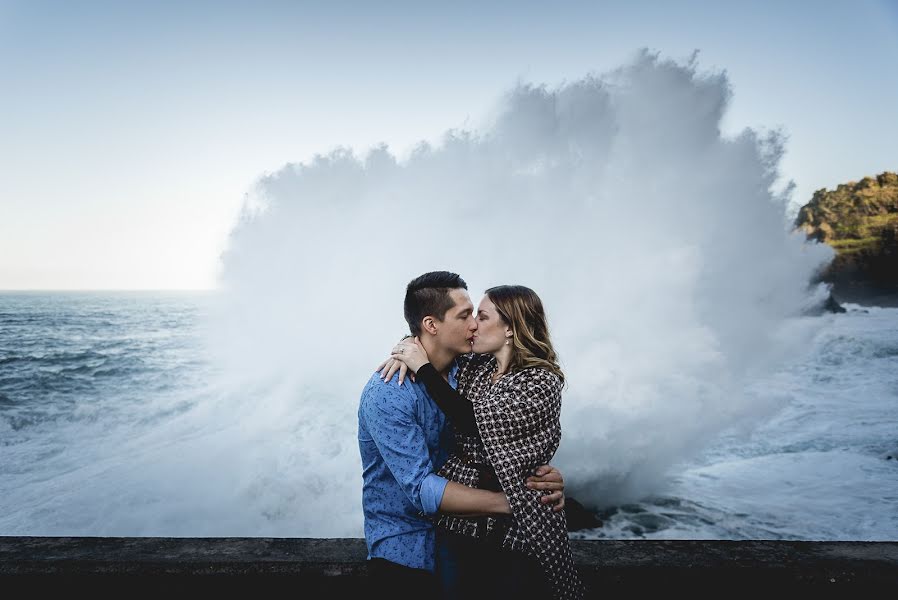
(456, 331)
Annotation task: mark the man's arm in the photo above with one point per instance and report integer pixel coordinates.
(465, 501)
(402, 444)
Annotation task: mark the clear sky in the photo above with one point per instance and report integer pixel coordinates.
(130, 131)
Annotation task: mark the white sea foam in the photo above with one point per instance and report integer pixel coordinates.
(660, 248)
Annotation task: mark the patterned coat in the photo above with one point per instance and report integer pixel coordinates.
(518, 419)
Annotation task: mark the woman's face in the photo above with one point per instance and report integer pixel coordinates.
(491, 330)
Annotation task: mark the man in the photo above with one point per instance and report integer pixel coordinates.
(403, 441)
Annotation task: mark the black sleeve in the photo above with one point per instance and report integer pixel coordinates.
(456, 408)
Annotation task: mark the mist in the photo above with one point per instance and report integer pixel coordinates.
(661, 249)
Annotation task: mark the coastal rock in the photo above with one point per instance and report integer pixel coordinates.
(830, 305)
(860, 221)
(579, 517)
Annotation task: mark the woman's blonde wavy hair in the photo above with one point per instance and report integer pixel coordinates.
(522, 310)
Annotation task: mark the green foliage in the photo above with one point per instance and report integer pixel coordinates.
(850, 246)
(854, 215)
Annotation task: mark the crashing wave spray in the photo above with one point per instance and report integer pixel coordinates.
(658, 245)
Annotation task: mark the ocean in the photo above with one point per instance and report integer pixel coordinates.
(116, 418)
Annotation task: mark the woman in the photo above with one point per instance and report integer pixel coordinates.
(505, 415)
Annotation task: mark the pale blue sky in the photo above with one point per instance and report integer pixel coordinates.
(130, 131)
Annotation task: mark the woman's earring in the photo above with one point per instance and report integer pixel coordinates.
(506, 342)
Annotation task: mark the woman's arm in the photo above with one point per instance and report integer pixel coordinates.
(456, 408)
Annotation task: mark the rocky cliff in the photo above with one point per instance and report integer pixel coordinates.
(860, 221)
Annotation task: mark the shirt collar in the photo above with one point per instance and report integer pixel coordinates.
(453, 374)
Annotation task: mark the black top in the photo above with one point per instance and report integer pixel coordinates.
(456, 408)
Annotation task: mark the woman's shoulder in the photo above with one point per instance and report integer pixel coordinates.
(538, 377)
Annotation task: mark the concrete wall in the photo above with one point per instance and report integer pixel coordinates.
(337, 566)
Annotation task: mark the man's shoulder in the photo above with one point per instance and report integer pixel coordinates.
(381, 394)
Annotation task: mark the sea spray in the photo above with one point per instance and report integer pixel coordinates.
(660, 247)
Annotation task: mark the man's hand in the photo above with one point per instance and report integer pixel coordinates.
(548, 478)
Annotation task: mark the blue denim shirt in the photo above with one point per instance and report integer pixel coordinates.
(403, 440)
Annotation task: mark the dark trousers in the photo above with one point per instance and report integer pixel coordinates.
(394, 581)
(469, 569)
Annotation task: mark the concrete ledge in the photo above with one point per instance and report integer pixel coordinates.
(338, 565)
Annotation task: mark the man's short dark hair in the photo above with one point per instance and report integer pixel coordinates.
(429, 295)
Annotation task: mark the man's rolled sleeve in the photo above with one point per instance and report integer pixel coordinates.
(432, 489)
